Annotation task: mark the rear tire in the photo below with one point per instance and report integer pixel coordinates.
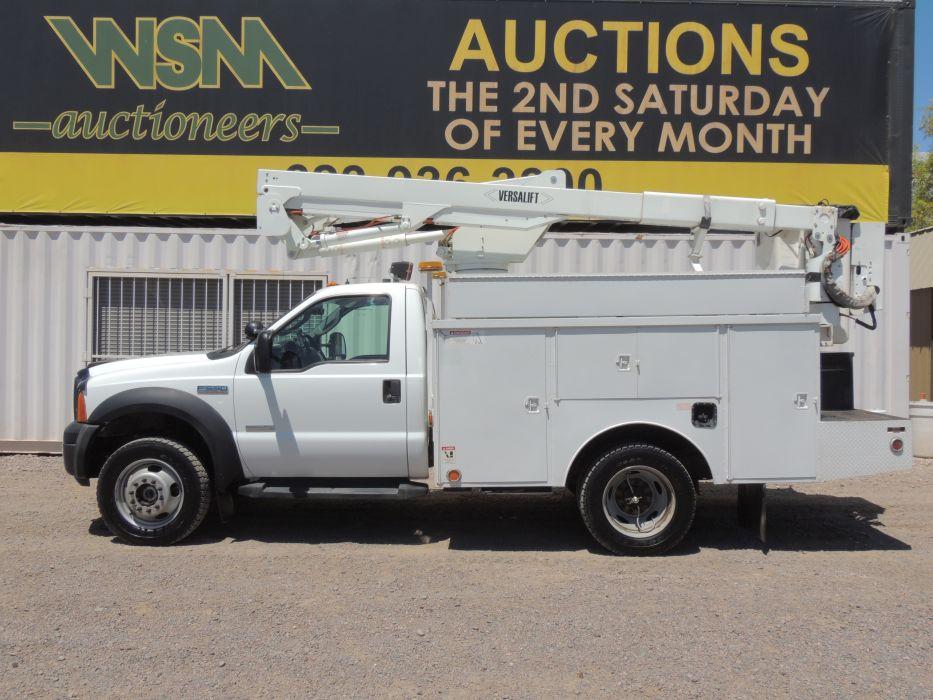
(153, 491)
(637, 499)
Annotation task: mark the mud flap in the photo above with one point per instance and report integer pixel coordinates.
(752, 509)
(226, 506)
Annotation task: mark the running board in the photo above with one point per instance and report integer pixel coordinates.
(261, 489)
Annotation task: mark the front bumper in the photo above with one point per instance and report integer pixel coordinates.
(75, 444)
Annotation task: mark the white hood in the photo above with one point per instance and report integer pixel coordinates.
(150, 362)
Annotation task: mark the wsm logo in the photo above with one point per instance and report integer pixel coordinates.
(178, 53)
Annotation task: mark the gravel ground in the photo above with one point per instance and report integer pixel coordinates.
(492, 596)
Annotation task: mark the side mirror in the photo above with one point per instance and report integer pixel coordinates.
(262, 355)
(252, 329)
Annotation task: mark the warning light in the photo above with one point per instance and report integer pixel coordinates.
(430, 265)
(453, 475)
(439, 275)
(897, 445)
(332, 284)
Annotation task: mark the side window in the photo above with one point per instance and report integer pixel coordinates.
(342, 329)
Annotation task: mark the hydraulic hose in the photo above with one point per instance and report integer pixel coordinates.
(839, 296)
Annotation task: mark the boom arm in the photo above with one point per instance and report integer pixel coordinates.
(489, 225)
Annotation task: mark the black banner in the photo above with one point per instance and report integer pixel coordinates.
(425, 87)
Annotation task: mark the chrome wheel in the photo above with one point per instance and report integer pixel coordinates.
(149, 494)
(639, 501)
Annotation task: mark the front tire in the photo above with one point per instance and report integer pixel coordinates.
(637, 499)
(153, 491)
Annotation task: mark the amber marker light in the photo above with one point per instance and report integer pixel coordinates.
(81, 409)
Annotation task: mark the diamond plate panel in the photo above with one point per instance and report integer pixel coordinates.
(861, 447)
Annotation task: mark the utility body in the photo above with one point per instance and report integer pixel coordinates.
(628, 390)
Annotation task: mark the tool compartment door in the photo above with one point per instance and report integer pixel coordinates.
(774, 385)
(492, 417)
(597, 363)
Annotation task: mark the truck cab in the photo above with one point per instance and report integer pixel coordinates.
(343, 400)
(345, 393)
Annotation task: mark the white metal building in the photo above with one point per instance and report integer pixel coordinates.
(73, 295)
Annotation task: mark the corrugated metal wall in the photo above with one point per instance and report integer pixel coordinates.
(882, 358)
(44, 288)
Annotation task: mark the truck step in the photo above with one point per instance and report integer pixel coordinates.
(283, 489)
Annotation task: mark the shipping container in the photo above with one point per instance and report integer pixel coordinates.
(76, 295)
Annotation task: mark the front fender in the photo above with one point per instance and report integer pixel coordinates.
(209, 424)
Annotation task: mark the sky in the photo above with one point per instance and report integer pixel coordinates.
(923, 69)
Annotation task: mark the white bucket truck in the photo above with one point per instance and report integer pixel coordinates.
(628, 390)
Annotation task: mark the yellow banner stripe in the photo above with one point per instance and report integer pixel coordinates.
(226, 185)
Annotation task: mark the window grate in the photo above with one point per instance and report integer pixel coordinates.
(135, 316)
(265, 299)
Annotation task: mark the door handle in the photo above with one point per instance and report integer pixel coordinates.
(391, 391)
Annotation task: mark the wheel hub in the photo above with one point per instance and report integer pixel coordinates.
(149, 493)
(639, 501)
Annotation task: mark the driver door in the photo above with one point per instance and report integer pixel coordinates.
(332, 406)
